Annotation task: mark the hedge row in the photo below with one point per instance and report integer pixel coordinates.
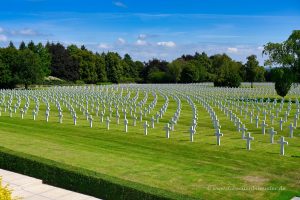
(80, 180)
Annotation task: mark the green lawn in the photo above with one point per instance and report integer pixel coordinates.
(201, 169)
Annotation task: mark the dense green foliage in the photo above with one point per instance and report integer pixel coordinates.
(253, 70)
(286, 56)
(31, 63)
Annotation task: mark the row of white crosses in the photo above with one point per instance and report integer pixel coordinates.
(243, 129)
(105, 102)
(151, 106)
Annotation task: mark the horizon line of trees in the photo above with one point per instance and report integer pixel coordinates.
(31, 63)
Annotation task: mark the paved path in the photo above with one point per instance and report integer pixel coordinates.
(33, 189)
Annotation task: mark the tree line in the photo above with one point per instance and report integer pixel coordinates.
(31, 63)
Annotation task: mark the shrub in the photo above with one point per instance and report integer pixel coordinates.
(81, 180)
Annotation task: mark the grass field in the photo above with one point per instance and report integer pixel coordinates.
(200, 169)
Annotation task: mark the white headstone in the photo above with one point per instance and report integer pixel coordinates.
(282, 142)
(248, 138)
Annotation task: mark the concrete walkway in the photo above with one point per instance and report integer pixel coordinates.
(29, 188)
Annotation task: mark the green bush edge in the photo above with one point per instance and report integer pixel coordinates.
(79, 179)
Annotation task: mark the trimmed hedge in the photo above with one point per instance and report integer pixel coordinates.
(80, 180)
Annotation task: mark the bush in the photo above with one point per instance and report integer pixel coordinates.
(79, 82)
(80, 180)
(232, 80)
(283, 81)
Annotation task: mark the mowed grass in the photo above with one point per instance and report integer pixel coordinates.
(200, 169)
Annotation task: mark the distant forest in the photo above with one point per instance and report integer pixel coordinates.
(31, 63)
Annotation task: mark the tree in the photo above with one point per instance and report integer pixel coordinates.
(283, 81)
(22, 46)
(63, 65)
(175, 69)
(100, 68)
(11, 45)
(86, 63)
(113, 67)
(28, 68)
(5, 76)
(203, 65)
(226, 71)
(251, 68)
(285, 55)
(189, 73)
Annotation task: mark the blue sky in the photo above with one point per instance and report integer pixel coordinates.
(163, 29)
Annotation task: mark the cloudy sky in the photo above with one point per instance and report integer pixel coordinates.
(163, 29)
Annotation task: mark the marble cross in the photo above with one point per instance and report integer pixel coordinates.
(248, 138)
(263, 126)
(126, 125)
(107, 122)
(282, 142)
(219, 135)
(146, 128)
(192, 132)
(272, 133)
(167, 128)
(292, 128)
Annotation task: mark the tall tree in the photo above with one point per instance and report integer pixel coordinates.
(287, 56)
(175, 69)
(226, 70)
(5, 75)
(113, 67)
(63, 65)
(100, 68)
(251, 68)
(189, 73)
(28, 68)
(22, 46)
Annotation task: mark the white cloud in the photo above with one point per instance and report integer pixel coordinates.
(119, 4)
(142, 36)
(3, 38)
(103, 46)
(166, 44)
(260, 48)
(121, 41)
(141, 42)
(1, 30)
(232, 50)
(28, 32)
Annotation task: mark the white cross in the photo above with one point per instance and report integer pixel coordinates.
(291, 127)
(282, 142)
(272, 133)
(91, 121)
(167, 128)
(107, 122)
(256, 121)
(152, 122)
(126, 125)
(219, 135)
(263, 126)
(146, 128)
(243, 129)
(249, 138)
(192, 132)
(280, 123)
(74, 119)
(295, 120)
